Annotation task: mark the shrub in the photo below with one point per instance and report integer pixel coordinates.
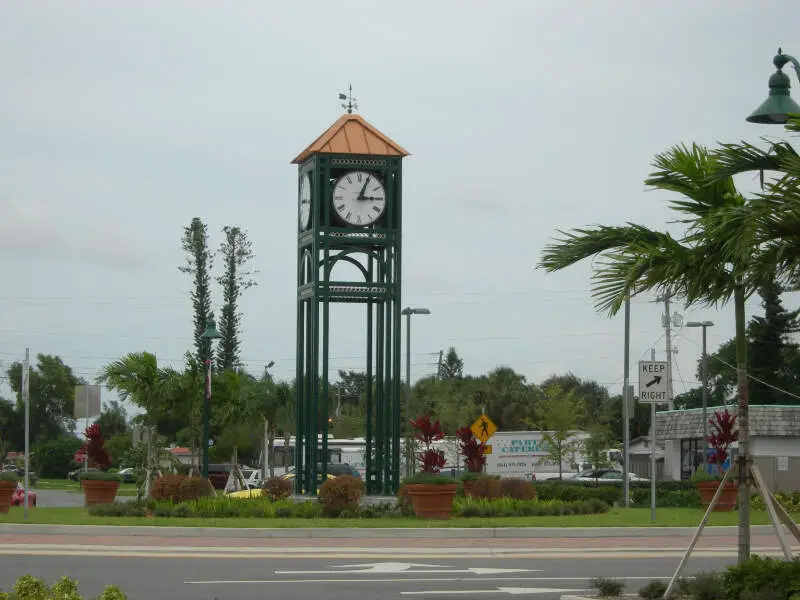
(607, 588)
(654, 590)
(54, 457)
(284, 512)
(93, 449)
(471, 449)
(179, 488)
(518, 489)
(509, 507)
(707, 586)
(277, 488)
(431, 460)
(28, 587)
(117, 509)
(307, 510)
(340, 494)
(760, 573)
(788, 500)
(404, 501)
(487, 487)
(9, 476)
(98, 476)
(572, 491)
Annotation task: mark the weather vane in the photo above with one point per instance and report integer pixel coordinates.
(351, 102)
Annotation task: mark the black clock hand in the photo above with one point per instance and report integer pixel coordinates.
(363, 189)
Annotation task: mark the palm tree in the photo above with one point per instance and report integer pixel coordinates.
(268, 400)
(702, 266)
(136, 377)
(776, 211)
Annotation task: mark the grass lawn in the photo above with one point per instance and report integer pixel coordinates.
(617, 517)
(66, 485)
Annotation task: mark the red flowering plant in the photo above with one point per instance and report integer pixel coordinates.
(724, 433)
(431, 460)
(93, 450)
(473, 452)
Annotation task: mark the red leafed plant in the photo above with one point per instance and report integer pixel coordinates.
(471, 449)
(93, 448)
(724, 433)
(430, 459)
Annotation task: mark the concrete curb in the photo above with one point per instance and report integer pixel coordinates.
(366, 533)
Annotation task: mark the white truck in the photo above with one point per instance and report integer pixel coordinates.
(525, 455)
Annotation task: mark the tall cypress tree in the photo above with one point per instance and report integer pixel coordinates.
(199, 261)
(772, 357)
(237, 252)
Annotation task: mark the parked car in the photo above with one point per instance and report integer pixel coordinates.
(128, 475)
(605, 476)
(334, 470)
(218, 474)
(75, 475)
(18, 498)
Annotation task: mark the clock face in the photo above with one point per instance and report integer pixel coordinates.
(305, 202)
(359, 198)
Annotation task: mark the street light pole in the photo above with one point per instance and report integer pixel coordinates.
(705, 325)
(407, 312)
(210, 334)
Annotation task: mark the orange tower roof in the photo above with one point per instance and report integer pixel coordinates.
(351, 134)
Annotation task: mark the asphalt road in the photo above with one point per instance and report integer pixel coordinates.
(332, 578)
(57, 499)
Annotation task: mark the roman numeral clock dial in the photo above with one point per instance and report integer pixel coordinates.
(359, 198)
(304, 210)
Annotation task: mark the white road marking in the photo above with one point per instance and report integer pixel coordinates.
(406, 579)
(514, 591)
(392, 567)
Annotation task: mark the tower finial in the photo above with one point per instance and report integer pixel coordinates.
(351, 102)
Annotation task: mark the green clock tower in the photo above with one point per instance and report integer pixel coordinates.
(349, 211)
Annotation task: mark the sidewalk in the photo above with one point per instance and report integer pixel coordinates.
(188, 542)
(436, 533)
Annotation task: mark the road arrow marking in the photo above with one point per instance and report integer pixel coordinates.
(392, 567)
(656, 379)
(385, 567)
(514, 591)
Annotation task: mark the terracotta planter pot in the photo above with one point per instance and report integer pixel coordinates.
(726, 501)
(432, 501)
(99, 492)
(6, 491)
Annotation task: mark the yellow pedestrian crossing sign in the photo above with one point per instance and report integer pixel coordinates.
(483, 428)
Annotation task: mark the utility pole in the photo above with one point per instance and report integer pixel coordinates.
(26, 398)
(626, 406)
(439, 365)
(667, 322)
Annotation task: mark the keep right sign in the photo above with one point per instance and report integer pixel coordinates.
(653, 381)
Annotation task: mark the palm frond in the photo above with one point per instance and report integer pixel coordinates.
(578, 244)
(689, 171)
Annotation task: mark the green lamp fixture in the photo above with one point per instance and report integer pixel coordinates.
(211, 332)
(775, 110)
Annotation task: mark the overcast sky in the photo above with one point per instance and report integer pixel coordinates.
(120, 121)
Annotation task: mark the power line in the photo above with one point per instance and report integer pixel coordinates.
(749, 376)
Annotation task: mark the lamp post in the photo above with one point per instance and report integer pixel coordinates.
(209, 334)
(407, 312)
(775, 110)
(705, 325)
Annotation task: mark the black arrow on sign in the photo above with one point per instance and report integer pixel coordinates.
(656, 379)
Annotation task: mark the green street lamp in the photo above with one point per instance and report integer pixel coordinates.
(407, 312)
(705, 325)
(779, 105)
(209, 334)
